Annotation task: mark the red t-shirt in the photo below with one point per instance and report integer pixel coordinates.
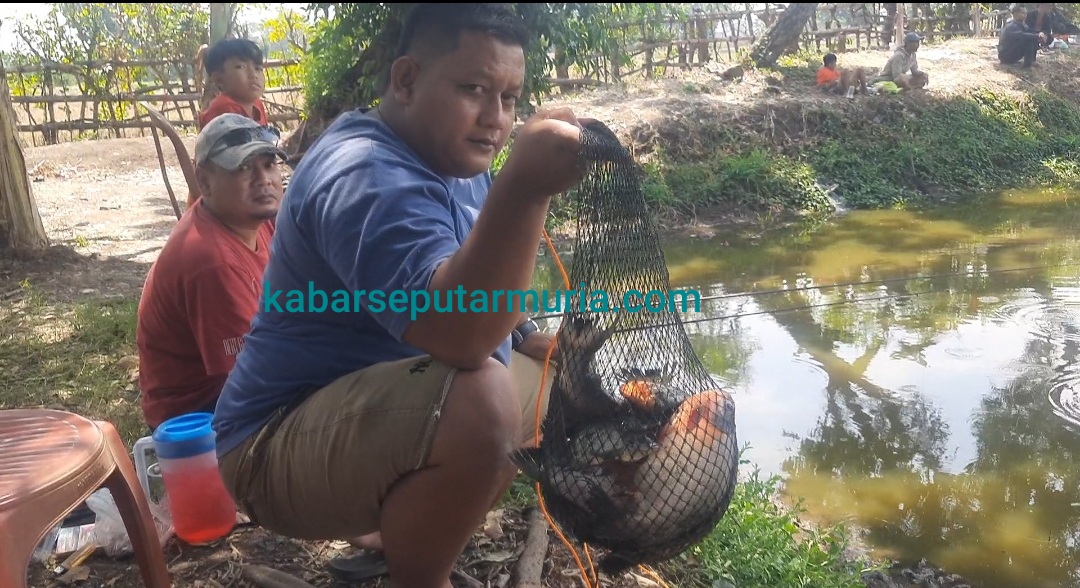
(826, 75)
(223, 103)
(197, 304)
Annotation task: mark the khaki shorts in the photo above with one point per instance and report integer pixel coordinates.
(323, 470)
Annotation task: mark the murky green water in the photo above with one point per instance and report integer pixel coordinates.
(942, 412)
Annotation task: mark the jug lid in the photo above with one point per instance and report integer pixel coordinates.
(185, 436)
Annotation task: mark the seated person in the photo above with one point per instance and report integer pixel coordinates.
(1017, 42)
(203, 289)
(837, 81)
(371, 424)
(902, 68)
(236, 68)
(1042, 21)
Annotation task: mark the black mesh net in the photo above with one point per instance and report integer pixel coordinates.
(638, 455)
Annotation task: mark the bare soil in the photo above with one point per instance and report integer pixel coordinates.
(106, 210)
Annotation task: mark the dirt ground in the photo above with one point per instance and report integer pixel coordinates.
(106, 210)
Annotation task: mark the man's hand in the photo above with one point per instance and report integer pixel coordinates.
(544, 159)
(536, 344)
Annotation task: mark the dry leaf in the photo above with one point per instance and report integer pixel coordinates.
(497, 557)
(493, 524)
(79, 574)
(643, 581)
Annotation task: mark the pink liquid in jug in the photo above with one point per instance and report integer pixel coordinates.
(202, 509)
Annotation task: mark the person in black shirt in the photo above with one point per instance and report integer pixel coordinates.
(1041, 20)
(1017, 41)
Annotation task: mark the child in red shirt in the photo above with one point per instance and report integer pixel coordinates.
(236, 68)
(835, 80)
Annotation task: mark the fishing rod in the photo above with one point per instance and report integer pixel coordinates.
(846, 284)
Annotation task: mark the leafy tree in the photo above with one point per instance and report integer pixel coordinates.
(353, 46)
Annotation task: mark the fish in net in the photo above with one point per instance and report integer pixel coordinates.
(638, 453)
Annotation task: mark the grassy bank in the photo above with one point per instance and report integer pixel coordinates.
(79, 357)
(773, 144)
(876, 152)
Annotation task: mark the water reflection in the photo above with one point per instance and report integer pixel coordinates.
(940, 413)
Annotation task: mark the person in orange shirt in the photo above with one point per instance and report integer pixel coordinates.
(236, 68)
(835, 80)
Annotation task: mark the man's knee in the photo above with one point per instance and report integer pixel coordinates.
(481, 415)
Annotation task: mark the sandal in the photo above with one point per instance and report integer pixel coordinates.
(362, 566)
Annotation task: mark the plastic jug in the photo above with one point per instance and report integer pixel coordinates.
(201, 509)
(149, 472)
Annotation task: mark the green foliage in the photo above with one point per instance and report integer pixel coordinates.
(352, 49)
(74, 33)
(754, 179)
(289, 31)
(961, 146)
(759, 544)
(891, 153)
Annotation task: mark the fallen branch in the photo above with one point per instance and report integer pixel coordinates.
(265, 577)
(530, 565)
(469, 581)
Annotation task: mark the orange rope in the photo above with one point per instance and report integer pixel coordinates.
(592, 567)
(655, 577)
(536, 433)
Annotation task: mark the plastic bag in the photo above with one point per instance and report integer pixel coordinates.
(109, 531)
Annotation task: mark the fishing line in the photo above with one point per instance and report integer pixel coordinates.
(849, 284)
(778, 311)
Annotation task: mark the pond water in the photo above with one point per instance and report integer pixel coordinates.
(936, 406)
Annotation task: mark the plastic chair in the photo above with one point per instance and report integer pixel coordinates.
(50, 462)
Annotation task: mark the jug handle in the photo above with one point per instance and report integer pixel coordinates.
(139, 453)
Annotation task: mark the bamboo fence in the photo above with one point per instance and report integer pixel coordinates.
(48, 113)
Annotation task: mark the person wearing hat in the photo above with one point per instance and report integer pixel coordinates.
(1017, 42)
(903, 68)
(203, 289)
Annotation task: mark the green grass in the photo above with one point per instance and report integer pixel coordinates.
(882, 152)
(759, 544)
(73, 356)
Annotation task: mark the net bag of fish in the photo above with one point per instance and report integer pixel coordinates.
(638, 454)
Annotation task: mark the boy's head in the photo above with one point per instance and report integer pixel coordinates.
(830, 60)
(1019, 12)
(236, 67)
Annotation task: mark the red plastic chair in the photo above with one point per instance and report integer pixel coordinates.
(50, 462)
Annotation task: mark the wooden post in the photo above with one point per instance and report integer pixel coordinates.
(21, 229)
(221, 20)
(976, 18)
(898, 36)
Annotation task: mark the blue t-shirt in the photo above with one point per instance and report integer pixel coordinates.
(362, 213)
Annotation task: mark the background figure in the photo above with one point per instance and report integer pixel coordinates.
(1042, 21)
(836, 80)
(1017, 41)
(902, 68)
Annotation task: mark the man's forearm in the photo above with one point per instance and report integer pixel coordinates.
(498, 255)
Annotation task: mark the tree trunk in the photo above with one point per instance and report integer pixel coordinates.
(781, 35)
(888, 26)
(221, 20)
(21, 230)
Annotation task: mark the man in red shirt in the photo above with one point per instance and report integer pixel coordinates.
(205, 286)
